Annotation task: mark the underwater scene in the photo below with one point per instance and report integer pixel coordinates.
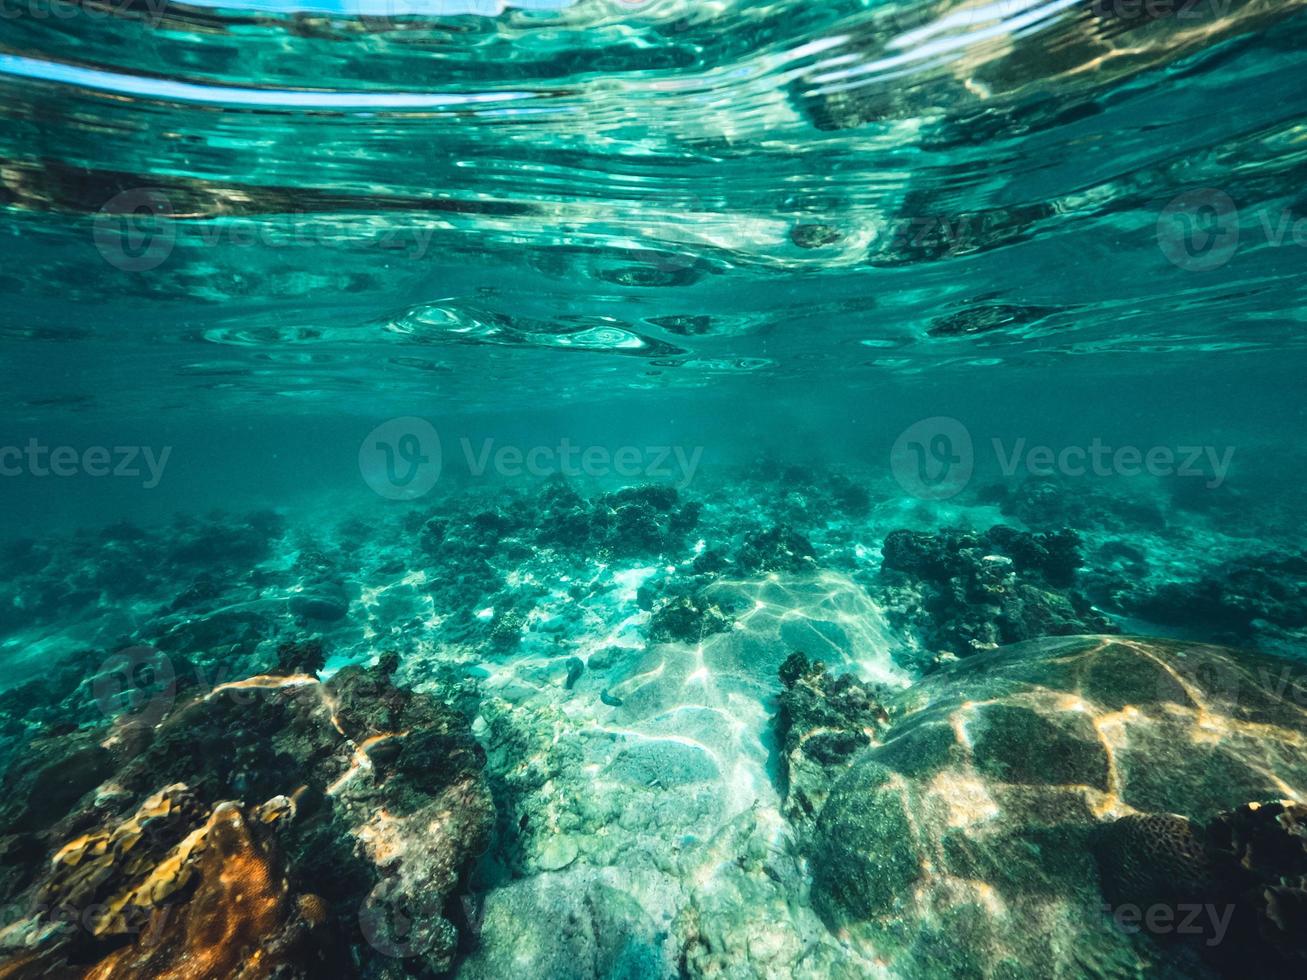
(651, 489)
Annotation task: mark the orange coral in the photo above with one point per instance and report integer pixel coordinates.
(313, 910)
(227, 927)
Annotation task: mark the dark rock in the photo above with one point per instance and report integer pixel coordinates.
(659, 498)
(814, 235)
(713, 561)
(438, 756)
(219, 543)
(684, 325)
(301, 657)
(214, 634)
(506, 628)
(327, 608)
(966, 592)
(687, 619)
(852, 498)
(1236, 602)
(934, 557)
(822, 723)
(46, 779)
(433, 534)
(636, 530)
(204, 592)
(778, 549)
(387, 663)
(607, 657)
(686, 518)
(1054, 556)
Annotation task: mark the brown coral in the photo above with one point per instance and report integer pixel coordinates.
(1147, 858)
(233, 923)
(1251, 861)
(313, 910)
(127, 870)
(193, 883)
(200, 899)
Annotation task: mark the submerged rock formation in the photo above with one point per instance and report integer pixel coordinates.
(965, 591)
(824, 721)
(965, 842)
(276, 826)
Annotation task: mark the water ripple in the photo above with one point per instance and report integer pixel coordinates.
(673, 191)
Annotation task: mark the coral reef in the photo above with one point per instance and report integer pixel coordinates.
(1240, 600)
(823, 721)
(295, 815)
(1248, 865)
(599, 688)
(965, 592)
(687, 619)
(778, 548)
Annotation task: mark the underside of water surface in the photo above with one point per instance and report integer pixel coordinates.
(653, 489)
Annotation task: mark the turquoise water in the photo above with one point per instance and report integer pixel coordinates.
(652, 488)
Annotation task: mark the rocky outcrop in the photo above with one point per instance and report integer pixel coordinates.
(824, 720)
(966, 841)
(276, 826)
(964, 592)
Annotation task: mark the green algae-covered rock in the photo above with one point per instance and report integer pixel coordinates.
(963, 844)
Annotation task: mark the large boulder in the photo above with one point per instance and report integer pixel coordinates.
(964, 842)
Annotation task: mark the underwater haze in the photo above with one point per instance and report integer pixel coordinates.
(653, 489)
